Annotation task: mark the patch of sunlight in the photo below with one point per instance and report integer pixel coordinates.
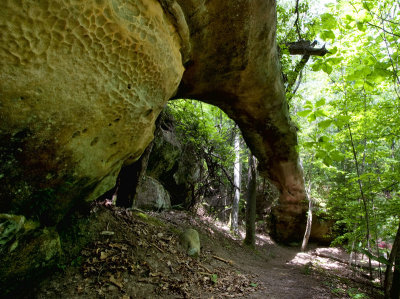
(300, 259)
(304, 258)
(264, 239)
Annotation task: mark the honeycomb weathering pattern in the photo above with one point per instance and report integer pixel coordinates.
(86, 78)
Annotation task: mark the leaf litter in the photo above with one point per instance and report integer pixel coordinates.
(142, 258)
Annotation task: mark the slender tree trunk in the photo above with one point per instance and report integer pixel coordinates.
(392, 279)
(237, 180)
(251, 203)
(364, 200)
(307, 233)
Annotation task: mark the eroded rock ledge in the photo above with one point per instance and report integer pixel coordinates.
(82, 82)
(81, 85)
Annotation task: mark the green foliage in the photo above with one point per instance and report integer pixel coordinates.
(214, 278)
(205, 126)
(354, 293)
(348, 111)
(211, 133)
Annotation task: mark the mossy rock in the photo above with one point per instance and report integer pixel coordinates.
(32, 253)
(190, 242)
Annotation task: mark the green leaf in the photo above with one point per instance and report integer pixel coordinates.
(308, 105)
(361, 26)
(311, 117)
(323, 139)
(320, 113)
(328, 34)
(304, 113)
(334, 60)
(327, 160)
(327, 68)
(379, 74)
(336, 155)
(254, 285)
(367, 4)
(333, 51)
(320, 103)
(328, 21)
(321, 154)
(308, 144)
(324, 124)
(214, 278)
(316, 67)
(376, 258)
(342, 120)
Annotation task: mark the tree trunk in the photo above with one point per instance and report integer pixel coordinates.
(364, 200)
(251, 203)
(307, 233)
(236, 179)
(392, 279)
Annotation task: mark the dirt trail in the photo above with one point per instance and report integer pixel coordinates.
(284, 272)
(142, 259)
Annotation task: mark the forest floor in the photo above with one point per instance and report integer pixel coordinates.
(137, 255)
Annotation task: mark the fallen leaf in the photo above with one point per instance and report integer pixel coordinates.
(116, 282)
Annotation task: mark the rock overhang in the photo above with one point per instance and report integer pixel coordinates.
(87, 80)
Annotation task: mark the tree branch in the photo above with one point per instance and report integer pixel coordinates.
(292, 79)
(305, 47)
(296, 23)
(383, 29)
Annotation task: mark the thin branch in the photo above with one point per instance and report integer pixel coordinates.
(297, 70)
(383, 29)
(296, 23)
(298, 83)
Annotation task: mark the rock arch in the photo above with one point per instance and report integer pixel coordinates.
(82, 82)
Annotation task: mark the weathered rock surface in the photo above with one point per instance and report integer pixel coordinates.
(151, 195)
(81, 84)
(322, 230)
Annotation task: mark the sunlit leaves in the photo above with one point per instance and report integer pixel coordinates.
(304, 113)
(361, 26)
(320, 103)
(328, 21)
(324, 124)
(327, 35)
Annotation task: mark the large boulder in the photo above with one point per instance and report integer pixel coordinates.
(81, 85)
(151, 195)
(173, 164)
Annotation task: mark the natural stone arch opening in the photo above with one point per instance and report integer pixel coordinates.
(83, 82)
